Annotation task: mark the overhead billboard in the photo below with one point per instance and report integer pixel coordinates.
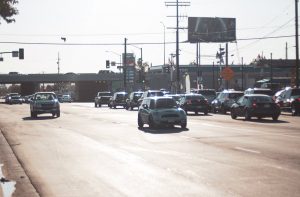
(207, 29)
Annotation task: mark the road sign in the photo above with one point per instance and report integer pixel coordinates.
(227, 73)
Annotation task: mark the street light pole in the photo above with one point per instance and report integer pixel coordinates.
(164, 43)
(297, 43)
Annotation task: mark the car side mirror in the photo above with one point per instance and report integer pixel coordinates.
(145, 106)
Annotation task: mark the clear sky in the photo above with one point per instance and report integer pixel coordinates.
(109, 22)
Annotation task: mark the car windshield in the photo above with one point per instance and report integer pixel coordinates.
(119, 96)
(261, 99)
(163, 103)
(207, 92)
(267, 92)
(105, 94)
(194, 97)
(137, 95)
(295, 93)
(156, 94)
(235, 95)
(44, 97)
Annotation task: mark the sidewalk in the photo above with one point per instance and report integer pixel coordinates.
(13, 171)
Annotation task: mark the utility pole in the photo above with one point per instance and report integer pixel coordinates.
(214, 75)
(58, 61)
(164, 43)
(242, 73)
(297, 43)
(177, 4)
(125, 63)
(271, 71)
(286, 51)
(226, 60)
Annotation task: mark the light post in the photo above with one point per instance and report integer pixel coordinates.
(164, 43)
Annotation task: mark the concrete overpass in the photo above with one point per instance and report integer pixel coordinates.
(87, 84)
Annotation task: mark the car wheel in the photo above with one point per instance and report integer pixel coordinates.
(196, 112)
(31, 114)
(140, 122)
(115, 106)
(294, 110)
(275, 117)
(233, 115)
(183, 125)
(223, 110)
(99, 105)
(58, 114)
(95, 104)
(214, 110)
(53, 114)
(151, 122)
(259, 117)
(247, 115)
(206, 112)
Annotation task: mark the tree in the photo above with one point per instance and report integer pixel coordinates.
(7, 10)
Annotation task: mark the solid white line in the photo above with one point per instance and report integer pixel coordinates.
(247, 150)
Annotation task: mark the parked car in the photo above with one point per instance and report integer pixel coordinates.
(118, 99)
(209, 94)
(132, 100)
(159, 111)
(44, 102)
(289, 100)
(265, 91)
(255, 105)
(102, 98)
(150, 93)
(66, 98)
(195, 103)
(15, 99)
(225, 100)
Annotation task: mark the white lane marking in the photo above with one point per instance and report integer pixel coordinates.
(247, 150)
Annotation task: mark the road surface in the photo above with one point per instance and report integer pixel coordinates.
(92, 151)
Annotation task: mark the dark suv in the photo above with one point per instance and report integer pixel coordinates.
(118, 99)
(209, 94)
(132, 100)
(289, 100)
(225, 100)
(194, 102)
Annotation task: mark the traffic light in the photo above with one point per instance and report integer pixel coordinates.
(107, 64)
(21, 53)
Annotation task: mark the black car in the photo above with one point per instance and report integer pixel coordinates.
(132, 100)
(118, 99)
(194, 102)
(224, 101)
(255, 105)
(150, 93)
(289, 100)
(209, 94)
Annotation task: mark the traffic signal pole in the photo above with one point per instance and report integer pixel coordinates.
(297, 43)
(125, 63)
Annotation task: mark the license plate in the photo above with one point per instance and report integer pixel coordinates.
(266, 105)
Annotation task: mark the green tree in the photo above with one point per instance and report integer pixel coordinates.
(7, 10)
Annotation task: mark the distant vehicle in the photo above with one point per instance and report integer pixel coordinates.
(176, 97)
(66, 98)
(265, 91)
(118, 99)
(132, 100)
(44, 102)
(9, 96)
(150, 93)
(102, 98)
(224, 100)
(209, 94)
(195, 103)
(255, 105)
(15, 99)
(27, 98)
(159, 111)
(289, 100)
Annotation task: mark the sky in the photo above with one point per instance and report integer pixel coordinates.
(100, 28)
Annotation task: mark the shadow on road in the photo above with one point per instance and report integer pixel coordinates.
(39, 118)
(270, 121)
(162, 130)
(200, 114)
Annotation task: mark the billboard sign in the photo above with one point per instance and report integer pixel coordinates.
(207, 29)
(130, 59)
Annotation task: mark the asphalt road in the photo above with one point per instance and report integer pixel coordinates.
(92, 151)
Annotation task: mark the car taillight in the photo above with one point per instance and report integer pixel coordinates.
(298, 99)
(254, 105)
(189, 102)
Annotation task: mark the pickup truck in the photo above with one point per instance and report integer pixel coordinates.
(102, 98)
